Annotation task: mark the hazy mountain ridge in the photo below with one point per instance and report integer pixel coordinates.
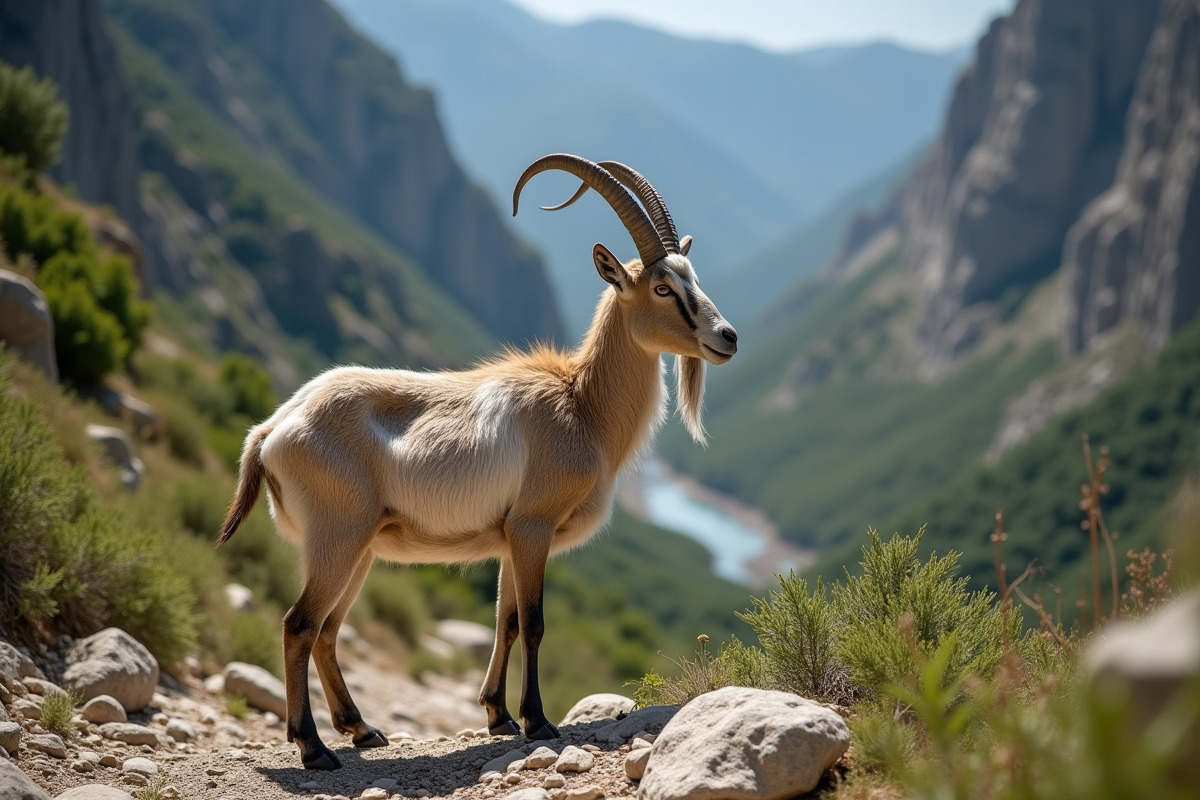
(743, 144)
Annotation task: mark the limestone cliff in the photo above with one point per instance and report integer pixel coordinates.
(1134, 254)
(1033, 133)
(66, 40)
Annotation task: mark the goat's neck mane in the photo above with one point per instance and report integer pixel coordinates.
(618, 384)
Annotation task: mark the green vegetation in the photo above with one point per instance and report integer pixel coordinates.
(236, 706)
(71, 563)
(32, 120)
(58, 709)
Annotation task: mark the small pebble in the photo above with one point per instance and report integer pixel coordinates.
(555, 781)
(49, 743)
(512, 778)
(574, 759)
(141, 765)
(589, 792)
(160, 718)
(215, 771)
(540, 759)
(82, 766)
(591, 748)
(135, 779)
(373, 793)
(635, 763)
(109, 760)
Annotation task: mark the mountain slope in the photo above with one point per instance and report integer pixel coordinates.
(743, 144)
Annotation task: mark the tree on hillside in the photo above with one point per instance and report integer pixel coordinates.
(32, 120)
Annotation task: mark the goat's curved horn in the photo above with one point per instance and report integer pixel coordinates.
(645, 236)
(645, 191)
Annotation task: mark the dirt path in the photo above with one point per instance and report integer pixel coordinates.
(249, 758)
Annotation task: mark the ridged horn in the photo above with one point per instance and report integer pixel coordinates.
(645, 191)
(645, 236)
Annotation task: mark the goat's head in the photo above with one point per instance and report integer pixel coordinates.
(658, 292)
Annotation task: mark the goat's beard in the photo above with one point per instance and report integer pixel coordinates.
(689, 395)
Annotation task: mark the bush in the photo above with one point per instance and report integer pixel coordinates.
(58, 709)
(32, 120)
(250, 386)
(70, 565)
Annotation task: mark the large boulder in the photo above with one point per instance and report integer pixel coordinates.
(744, 743)
(14, 785)
(119, 451)
(261, 689)
(16, 666)
(469, 637)
(112, 662)
(25, 324)
(603, 705)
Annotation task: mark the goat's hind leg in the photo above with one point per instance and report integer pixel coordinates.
(346, 716)
(327, 572)
(492, 695)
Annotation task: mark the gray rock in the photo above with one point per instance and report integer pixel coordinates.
(30, 709)
(469, 637)
(140, 765)
(540, 758)
(181, 730)
(129, 733)
(14, 785)
(95, 791)
(1153, 658)
(118, 449)
(10, 736)
(39, 686)
(635, 763)
(15, 665)
(574, 759)
(26, 327)
(49, 743)
(623, 730)
(587, 792)
(261, 689)
(604, 705)
(739, 743)
(528, 794)
(126, 407)
(102, 708)
(240, 598)
(114, 663)
(82, 766)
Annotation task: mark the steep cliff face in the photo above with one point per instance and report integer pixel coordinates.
(301, 86)
(1134, 253)
(66, 40)
(1032, 134)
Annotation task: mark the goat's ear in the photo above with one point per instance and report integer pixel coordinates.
(609, 267)
(685, 244)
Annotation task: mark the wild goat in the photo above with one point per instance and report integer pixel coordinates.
(513, 460)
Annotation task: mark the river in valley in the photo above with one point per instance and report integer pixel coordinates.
(745, 545)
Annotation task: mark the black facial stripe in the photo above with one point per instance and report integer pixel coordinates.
(683, 310)
(691, 298)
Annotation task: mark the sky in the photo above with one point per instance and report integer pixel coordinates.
(794, 24)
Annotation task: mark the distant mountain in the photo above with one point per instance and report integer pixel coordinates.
(745, 145)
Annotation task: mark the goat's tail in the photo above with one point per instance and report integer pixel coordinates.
(250, 478)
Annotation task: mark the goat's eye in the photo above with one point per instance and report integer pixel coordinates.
(662, 290)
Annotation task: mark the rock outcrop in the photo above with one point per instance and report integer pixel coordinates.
(66, 41)
(1133, 254)
(26, 327)
(112, 662)
(1033, 132)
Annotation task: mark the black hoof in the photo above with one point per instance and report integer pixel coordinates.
(372, 738)
(324, 759)
(546, 731)
(507, 728)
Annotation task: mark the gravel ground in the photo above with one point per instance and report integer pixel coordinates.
(249, 758)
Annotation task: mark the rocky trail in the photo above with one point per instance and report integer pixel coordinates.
(184, 742)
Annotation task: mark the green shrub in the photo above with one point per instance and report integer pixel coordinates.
(69, 564)
(58, 709)
(897, 591)
(236, 706)
(393, 597)
(255, 638)
(32, 120)
(33, 224)
(796, 631)
(87, 340)
(186, 432)
(250, 385)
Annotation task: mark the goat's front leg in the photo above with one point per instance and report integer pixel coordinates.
(530, 547)
(492, 695)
